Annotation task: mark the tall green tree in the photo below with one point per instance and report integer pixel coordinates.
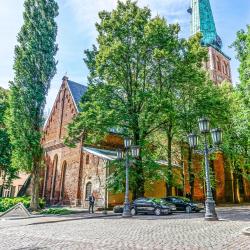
(9, 173)
(124, 88)
(198, 98)
(237, 136)
(34, 67)
(186, 74)
(135, 75)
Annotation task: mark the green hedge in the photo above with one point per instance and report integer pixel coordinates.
(6, 203)
(56, 211)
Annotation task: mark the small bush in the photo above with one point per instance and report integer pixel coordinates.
(6, 203)
(60, 211)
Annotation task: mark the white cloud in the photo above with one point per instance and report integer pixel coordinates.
(85, 15)
(86, 12)
(10, 23)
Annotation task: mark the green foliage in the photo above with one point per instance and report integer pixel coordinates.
(123, 88)
(60, 211)
(6, 203)
(237, 136)
(236, 143)
(34, 68)
(143, 81)
(5, 146)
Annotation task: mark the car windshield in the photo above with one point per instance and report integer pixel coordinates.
(158, 201)
(183, 199)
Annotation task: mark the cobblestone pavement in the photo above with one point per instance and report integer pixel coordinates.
(177, 231)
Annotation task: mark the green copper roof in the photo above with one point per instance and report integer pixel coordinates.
(203, 21)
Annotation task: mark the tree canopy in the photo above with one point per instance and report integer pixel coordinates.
(142, 80)
(9, 172)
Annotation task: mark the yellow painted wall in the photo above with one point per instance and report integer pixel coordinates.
(156, 189)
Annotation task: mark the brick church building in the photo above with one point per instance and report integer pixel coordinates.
(72, 174)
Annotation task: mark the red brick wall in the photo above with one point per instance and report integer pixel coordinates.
(218, 66)
(246, 184)
(198, 181)
(219, 172)
(94, 172)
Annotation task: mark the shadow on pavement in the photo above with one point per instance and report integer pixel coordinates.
(73, 219)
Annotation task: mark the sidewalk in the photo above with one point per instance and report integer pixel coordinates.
(76, 213)
(233, 204)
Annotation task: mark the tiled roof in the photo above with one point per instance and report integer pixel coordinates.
(102, 153)
(77, 91)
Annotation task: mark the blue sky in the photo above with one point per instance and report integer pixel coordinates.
(76, 31)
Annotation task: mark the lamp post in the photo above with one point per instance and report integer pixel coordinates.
(135, 151)
(216, 134)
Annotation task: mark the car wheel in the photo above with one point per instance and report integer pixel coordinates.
(133, 211)
(188, 209)
(157, 211)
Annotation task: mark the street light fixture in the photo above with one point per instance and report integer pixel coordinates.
(216, 136)
(204, 125)
(193, 140)
(127, 142)
(135, 152)
(119, 154)
(217, 140)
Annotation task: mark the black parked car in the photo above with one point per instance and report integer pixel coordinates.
(184, 204)
(151, 206)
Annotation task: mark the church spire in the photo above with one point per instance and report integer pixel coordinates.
(203, 21)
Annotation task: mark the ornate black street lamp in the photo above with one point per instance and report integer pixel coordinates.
(135, 152)
(216, 134)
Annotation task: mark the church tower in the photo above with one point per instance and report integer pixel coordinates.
(202, 21)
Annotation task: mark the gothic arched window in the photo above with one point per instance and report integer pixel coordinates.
(53, 181)
(87, 159)
(218, 64)
(63, 175)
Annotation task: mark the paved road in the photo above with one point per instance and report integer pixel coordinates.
(178, 231)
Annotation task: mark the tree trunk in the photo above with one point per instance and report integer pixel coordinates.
(236, 188)
(190, 173)
(141, 181)
(139, 190)
(34, 203)
(183, 169)
(169, 167)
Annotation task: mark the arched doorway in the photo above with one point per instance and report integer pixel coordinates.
(88, 190)
(63, 175)
(53, 179)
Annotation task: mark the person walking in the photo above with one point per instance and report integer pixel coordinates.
(91, 202)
